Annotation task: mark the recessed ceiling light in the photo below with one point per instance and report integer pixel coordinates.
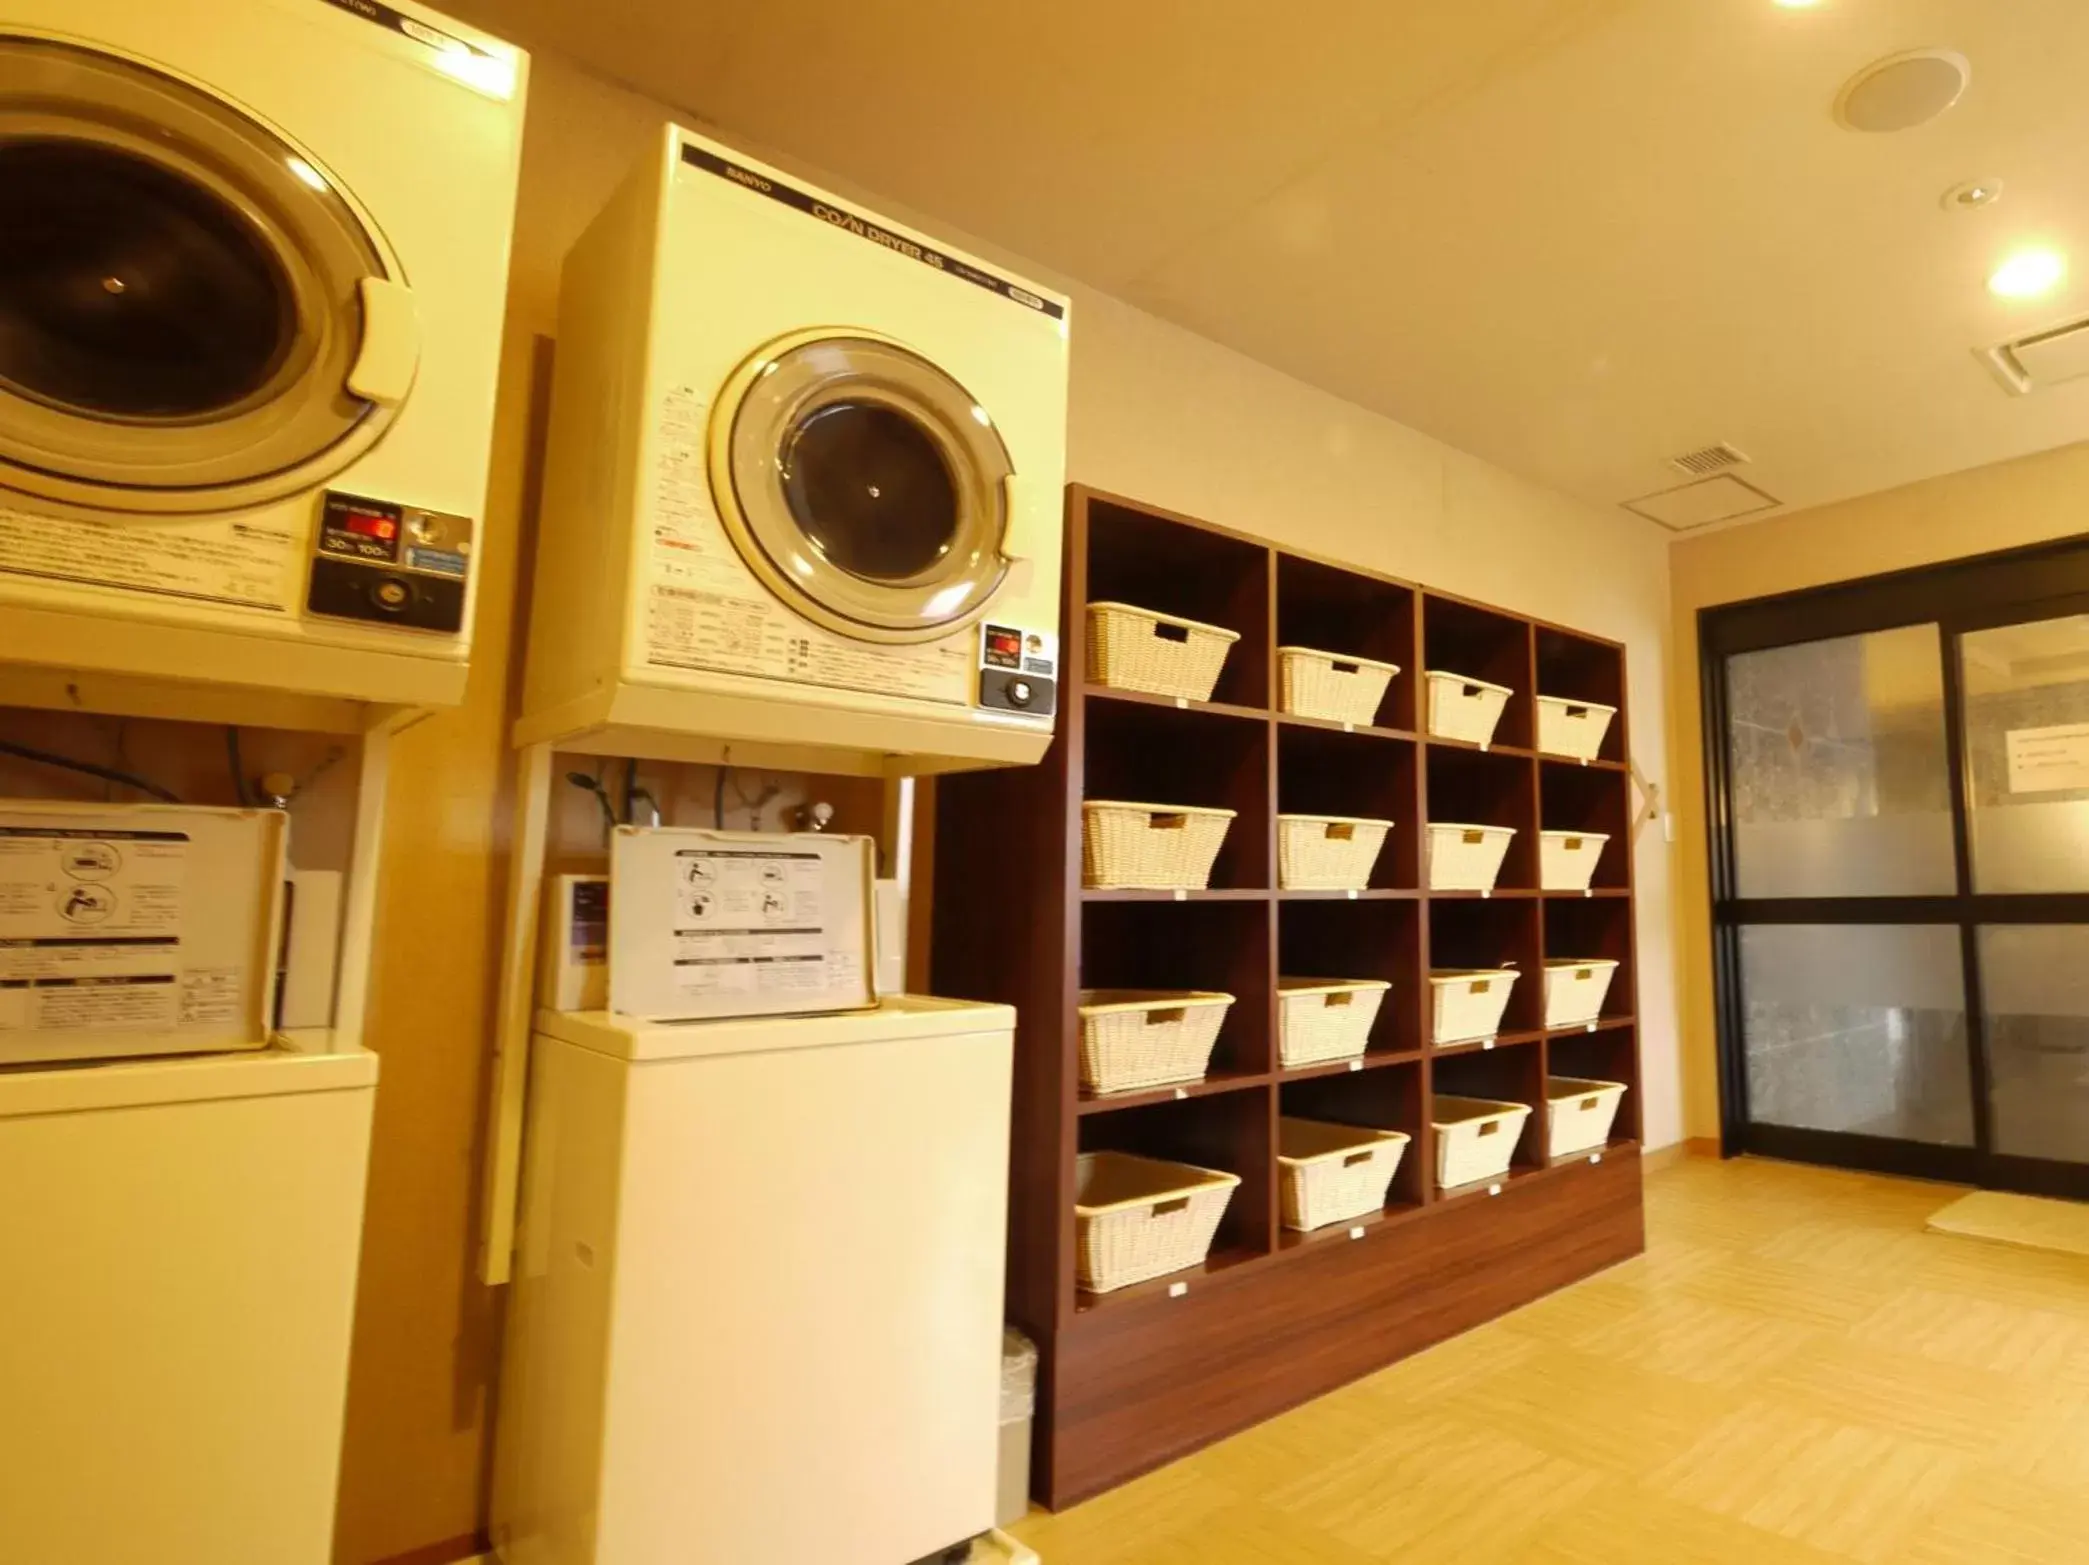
(2027, 274)
(1972, 195)
(1797, 5)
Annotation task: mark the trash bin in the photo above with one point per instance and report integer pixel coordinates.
(1018, 1403)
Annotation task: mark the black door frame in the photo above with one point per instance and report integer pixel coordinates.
(2047, 581)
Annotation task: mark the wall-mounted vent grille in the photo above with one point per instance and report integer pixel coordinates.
(1707, 460)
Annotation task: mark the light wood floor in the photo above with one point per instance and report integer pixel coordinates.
(1793, 1372)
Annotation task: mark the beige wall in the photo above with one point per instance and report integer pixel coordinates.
(1157, 414)
(2000, 507)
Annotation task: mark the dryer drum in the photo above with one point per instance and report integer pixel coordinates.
(183, 294)
(864, 485)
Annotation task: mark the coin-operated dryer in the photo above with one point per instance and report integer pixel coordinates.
(804, 480)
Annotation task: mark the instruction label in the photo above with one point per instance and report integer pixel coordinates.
(90, 933)
(753, 922)
(244, 564)
(705, 608)
(2049, 760)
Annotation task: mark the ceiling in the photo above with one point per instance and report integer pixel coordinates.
(1577, 237)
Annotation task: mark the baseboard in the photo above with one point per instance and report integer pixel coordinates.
(1678, 1152)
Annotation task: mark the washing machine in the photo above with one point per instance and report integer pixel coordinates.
(251, 297)
(804, 483)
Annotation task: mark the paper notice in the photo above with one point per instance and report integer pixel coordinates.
(754, 922)
(2048, 760)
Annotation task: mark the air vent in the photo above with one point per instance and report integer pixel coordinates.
(1717, 499)
(1707, 460)
(2047, 358)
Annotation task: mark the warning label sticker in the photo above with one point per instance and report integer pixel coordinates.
(245, 564)
(755, 923)
(90, 931)
(705, 609)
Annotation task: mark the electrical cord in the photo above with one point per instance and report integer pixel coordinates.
(23, 752)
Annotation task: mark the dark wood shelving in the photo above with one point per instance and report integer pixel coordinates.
(1215, 1082)
(1145, 1374)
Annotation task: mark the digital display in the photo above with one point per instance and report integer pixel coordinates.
(1004, 643)
(364, 525)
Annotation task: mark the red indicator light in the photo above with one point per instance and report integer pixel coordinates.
(364, 525)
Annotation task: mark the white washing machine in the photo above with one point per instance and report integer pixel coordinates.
(804, 480)
(756, 1312)
(251, 296)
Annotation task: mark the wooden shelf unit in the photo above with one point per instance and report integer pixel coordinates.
(1132, 1379)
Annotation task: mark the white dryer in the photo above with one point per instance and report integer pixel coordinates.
(251, 297)
(804, 479)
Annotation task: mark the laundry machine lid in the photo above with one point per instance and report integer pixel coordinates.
(863, 484)
(193, 313)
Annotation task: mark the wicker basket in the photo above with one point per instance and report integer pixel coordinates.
(1323, 1019)
(1567, 860)
(1167, 847)
(1332, 1173)
(1332, 687)
(1475, 1139)
(1463, 708)
(1136, 1218)
(1130, 648)
(1574, 991)
(1465, 857)
(1133, 1038)
(1467, 1002)
(1579, 1114)
(1574, 729)
(1327, 852)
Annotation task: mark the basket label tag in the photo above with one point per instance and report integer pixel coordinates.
(1356, 1065)
(1181, 895)
(1181, 704)
(1177, 1289)
(1494, 1189)
(1487, 1044)
(1181, 1092)
(1595, 1157)
(1357, 1232)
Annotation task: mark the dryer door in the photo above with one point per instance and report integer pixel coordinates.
(193, 315)
(864, 485)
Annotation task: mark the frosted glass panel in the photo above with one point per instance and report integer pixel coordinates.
(2027, 742)
(2034, 981)
(1857, 1028)
(1841, 786)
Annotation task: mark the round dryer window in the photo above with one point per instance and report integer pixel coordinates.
(193, 316)
(866, 487)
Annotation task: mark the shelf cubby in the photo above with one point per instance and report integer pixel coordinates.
(1360, 940)
(1229, 1131)
(1220, 946)
(1334, 610)
(1143, 1375)
(1328, 772)
(1579, 668)
(1389, 1099)
(1463, 638)
(1467, 787)
(1572, 797)
(1147, 558)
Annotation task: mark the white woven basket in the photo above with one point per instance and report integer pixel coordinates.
(1468, 1002)
(1574, 991)
(1574, 729)
(1323, 1019)
(1136, 1218)
(1133, 1038)
(1130, 648)
(1475, 1139)
(1332, 1173)
(1579, 1114)
(1465, 708)
(1332, 687)
(1567, 860)
(1466, 857)
(1168, 847)
(1328, 852)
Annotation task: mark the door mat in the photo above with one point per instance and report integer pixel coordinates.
(2031, 1221)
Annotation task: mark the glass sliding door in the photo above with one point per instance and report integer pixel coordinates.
(1899, 780)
